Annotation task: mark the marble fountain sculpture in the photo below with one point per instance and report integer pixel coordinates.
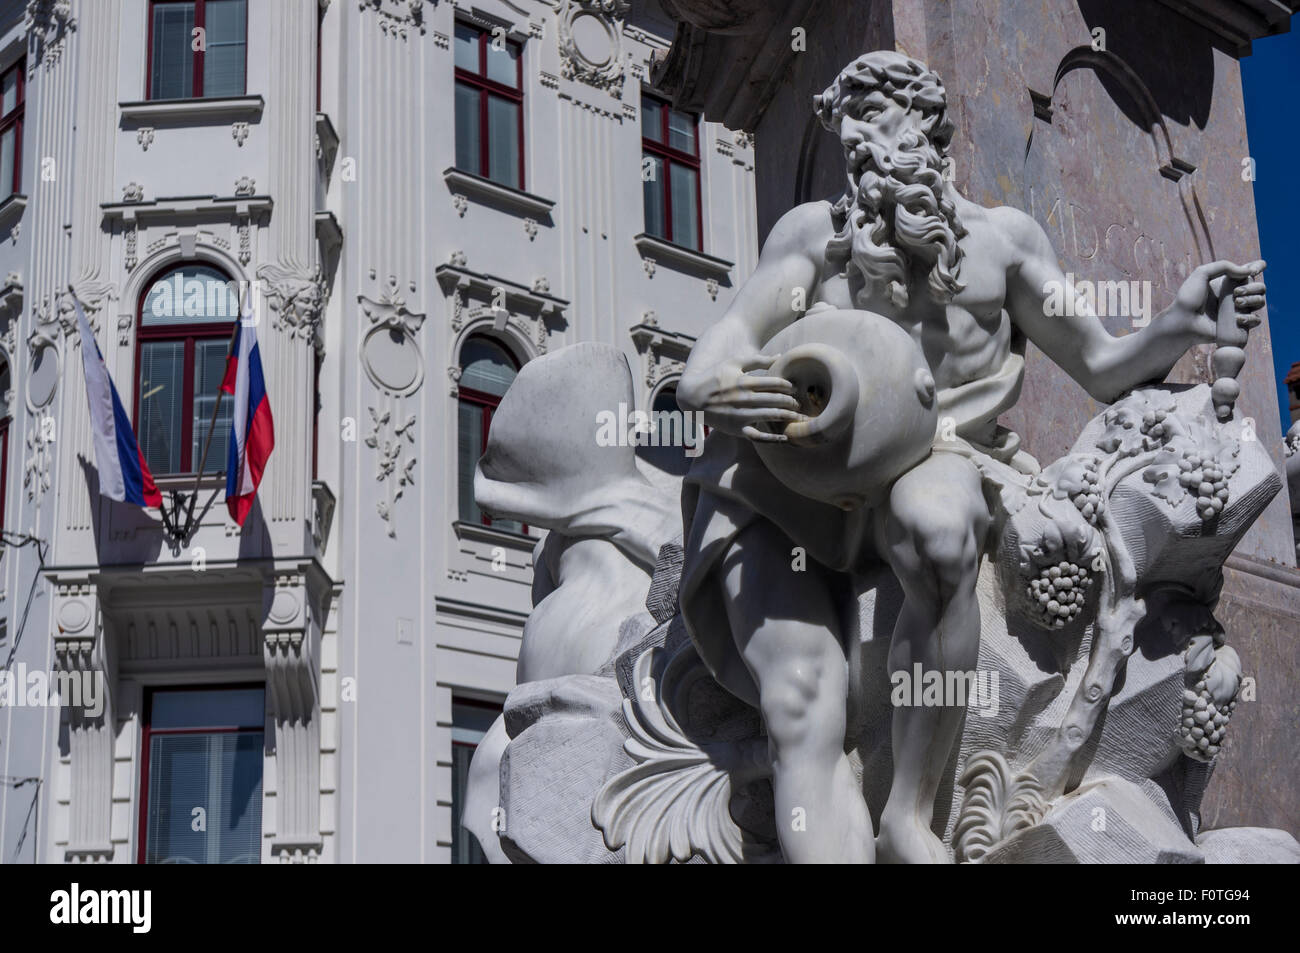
(879, 631)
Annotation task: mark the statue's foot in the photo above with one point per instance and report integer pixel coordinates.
(908, 841)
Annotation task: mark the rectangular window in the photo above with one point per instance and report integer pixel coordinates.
(184, 336)
(201, 757)
(470, 721)
(11, 130)
(179, 70)
(4, 468)
(489, 106)
(670, 170)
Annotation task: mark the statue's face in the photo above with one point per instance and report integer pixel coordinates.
(874, 133)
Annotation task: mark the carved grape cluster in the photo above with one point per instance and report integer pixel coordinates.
(1059, 592)
(1204, 723)
(1153, 425)
(1207, 480)
(1087, 499)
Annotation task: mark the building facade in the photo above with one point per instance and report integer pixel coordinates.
(416, 197)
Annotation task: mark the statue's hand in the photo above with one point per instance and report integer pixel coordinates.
(737, 398)
(1199, 296)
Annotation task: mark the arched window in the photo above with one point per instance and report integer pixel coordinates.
(187, 317)
(673, 431)
(487, 369)
(6, 382)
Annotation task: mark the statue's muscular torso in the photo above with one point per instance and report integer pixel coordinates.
(968, 339)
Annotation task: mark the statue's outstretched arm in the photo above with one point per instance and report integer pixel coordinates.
(1074, 337)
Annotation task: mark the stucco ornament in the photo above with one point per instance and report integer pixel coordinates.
(591, 46)
(920, 646)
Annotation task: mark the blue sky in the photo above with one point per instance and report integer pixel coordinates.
(1270, 77)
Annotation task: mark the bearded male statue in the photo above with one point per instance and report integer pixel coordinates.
(970, 285)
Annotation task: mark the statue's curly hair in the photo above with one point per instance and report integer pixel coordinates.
(898, 76)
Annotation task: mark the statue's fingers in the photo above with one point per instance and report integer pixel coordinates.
(767, 383)
(762, 436)
(760, 399)
(1248, 321)
(1249, 303)
(1249, 288)
(1229, 269)
(758, 415)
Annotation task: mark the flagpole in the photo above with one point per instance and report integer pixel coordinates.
(212, 424)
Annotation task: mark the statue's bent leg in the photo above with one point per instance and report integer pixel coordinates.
(933, 535)
(787, 626)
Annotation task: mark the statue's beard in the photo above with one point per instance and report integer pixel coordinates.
(898, 228)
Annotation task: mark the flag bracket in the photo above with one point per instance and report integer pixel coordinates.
(179, 522)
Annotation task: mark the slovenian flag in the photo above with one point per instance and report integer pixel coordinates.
(252, 432)
(123, 474)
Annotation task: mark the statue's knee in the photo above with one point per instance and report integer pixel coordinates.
(945, 548)
(800, 702)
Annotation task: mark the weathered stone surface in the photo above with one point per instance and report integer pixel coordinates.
(565, 741)
(661, 600)
(1106, 822)
(1249, 845)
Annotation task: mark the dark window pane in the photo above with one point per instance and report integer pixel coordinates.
(217, 777)
(686, 200)
(503, 64)
(503, 141)
(8, 148)
(468, 137)
(192, 294)
(652, 119)
(223, 62)
(469, 447)
(467, 48)
(469, 723)
(487, 366)
(681, 131)
(9, 92)
(675, 432)
(209, 369)
(162, 365)
(172, 58)
(652, 171)
(209, 708)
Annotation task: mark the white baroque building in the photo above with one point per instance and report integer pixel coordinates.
(423, 194)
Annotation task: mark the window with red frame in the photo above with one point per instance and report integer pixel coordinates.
(176, 69)
(670, 171)
(470, 721)
(489, 106)
(5, 385)
(187, 317)
(11, 130)
(202, 749)
(487, 369)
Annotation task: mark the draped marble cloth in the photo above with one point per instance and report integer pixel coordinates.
(728, 488)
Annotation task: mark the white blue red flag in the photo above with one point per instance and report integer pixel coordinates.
(252, 432)
(123, 474)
